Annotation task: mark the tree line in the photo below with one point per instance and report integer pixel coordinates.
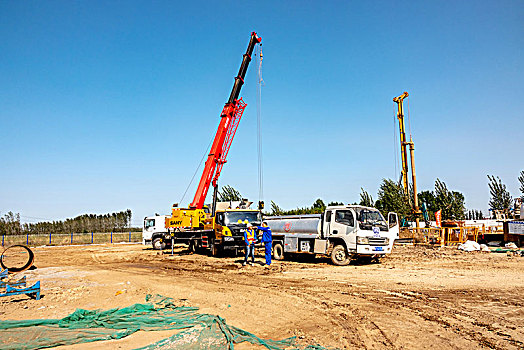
(391, 197)
(10, 224)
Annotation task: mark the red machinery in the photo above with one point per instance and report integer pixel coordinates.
(230, 117)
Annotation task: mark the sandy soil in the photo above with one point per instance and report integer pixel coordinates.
(418, 298)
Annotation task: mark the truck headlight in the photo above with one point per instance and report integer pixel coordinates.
(362, 240)
(386, 241)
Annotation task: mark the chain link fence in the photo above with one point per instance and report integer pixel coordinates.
(71, 238)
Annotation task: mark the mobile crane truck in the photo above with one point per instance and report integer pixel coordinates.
(341, 232)
(197, 225)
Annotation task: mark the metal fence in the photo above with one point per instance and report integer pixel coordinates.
(71, 238)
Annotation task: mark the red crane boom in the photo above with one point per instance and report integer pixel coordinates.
(229, 120)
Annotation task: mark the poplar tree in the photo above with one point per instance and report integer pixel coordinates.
(521, 180)
(275, 209)
(366, 199)
(229, 194)
(392, 198)
(500, 197)
(450, 202)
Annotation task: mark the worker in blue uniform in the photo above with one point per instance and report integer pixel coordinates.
(267, 239)
(250, 239)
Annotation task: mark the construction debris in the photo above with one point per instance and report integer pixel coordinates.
(469, 246)
(17, 258)
(8, 287)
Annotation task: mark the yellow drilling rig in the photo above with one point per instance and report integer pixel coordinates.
(399, 100)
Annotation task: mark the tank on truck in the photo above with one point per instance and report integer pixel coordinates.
(341, 232)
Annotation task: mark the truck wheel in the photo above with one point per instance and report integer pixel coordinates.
(158, 244)
(339, 256)
(278, 251)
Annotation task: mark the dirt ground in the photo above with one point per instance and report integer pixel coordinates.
(417, 298)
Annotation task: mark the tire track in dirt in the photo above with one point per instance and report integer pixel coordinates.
(429, 306)
(437, 307)
(432, 310)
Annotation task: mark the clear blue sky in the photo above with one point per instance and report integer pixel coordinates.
(110, 105)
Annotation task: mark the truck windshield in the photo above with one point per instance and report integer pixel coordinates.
(368, 218)
(232, 217)
(149, 223)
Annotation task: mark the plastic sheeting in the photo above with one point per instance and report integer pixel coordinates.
(199, 331)
(469, 246)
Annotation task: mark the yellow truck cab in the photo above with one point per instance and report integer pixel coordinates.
(229, 226)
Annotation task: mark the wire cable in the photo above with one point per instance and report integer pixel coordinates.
(259, 126)
(32, 217)
(395, 144)
(409, 121)
(196, 170)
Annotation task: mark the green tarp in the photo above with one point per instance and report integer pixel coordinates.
(198, 331)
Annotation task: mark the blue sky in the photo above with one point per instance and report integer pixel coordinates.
(110, 105)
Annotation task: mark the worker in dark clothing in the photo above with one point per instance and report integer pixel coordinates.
(267, 239)
(250, 239)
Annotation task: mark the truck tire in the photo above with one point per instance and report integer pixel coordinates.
(158, 244)
(278, 251)
(339, 256)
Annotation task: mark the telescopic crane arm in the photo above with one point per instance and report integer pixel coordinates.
(229, 119)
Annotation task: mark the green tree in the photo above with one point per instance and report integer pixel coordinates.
(521, 180)
(391, 198)
(450, 202)
(458, 206)
(10, 224)
(428, 197)
(335, 203)
(318, 206)
(500, 197)
(228, 193)
(366, 199)
(275, 209)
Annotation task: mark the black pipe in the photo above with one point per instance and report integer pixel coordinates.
(214, 205)
(239, 79)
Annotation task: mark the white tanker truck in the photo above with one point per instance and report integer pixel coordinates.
(342, 232)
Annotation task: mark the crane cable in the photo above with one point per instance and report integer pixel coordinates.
(395, 144)
(259, 137)
(260, 83)
(409, 122)
(196, 170)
